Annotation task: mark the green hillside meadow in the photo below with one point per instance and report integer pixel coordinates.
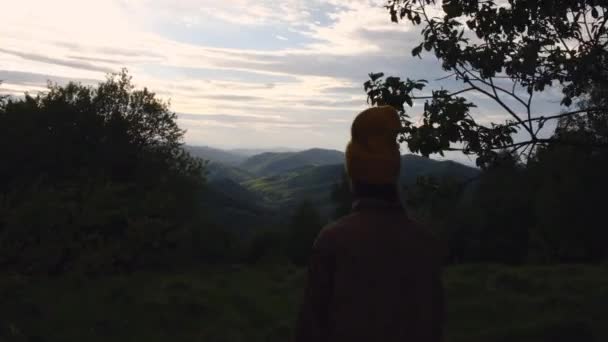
(243, 303)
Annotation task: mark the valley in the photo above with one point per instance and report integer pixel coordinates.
(261, 190)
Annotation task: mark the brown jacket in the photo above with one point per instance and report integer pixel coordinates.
(374, 275)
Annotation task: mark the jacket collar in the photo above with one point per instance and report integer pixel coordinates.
(375, 204)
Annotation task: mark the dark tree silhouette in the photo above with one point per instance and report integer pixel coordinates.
(93, 178)
(506, 52)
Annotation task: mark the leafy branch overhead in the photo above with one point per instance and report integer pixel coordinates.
(528, 45)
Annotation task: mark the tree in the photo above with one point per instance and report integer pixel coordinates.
(550, 209)
(571, 187)
(507, 52)
(109, 131)
(93, 178)
(303, 230)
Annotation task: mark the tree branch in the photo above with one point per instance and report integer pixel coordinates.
(559, 116)
(573, 143)
(495, 87)
(498, 99)
(597, 33)
(531, 149)
(445, 77)
(522, 151)
(452, 94)
(528, 108)
(509, 110)
(586, 25)
(552, 141)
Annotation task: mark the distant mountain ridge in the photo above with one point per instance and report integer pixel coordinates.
(249, 152)
(247, 191)
(414, 166)
(216, 155)
(231, 156)
(272, 163)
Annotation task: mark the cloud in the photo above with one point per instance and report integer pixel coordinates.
(234, 97)
(57, 61)
(96, 59)
(344, 90)
(302, 87)
(34, 79)
(231, 118)
(120, 52)
(355, 104)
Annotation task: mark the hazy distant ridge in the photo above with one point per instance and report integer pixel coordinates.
(243, 189)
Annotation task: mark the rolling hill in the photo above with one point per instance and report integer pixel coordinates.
(284, 191)
(263, 189)
(272, 163)
(249, 152)
(414, 166)
(216, 155)
(236, 208)
(315, 183)
(217, 171)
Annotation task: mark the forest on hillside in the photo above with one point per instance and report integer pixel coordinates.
(100, 197)
(98, 180)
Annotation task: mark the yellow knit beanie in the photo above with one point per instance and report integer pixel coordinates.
(372, 155)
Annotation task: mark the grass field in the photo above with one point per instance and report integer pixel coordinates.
(485, 303)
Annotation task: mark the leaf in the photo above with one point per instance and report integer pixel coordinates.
(394, 16)
(376, 76)
(452, 9)
(417, 19)
(408, 100)
(417, 50)
(594, 13)
(419, 86)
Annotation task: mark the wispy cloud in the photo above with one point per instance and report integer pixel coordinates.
(280, 72)
(70, 63)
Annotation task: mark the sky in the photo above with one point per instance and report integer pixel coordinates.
(239, 73)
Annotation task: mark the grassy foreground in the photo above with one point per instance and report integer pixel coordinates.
(486, 303)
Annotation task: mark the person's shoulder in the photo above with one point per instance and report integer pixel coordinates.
(330, 232)
(344, 223)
